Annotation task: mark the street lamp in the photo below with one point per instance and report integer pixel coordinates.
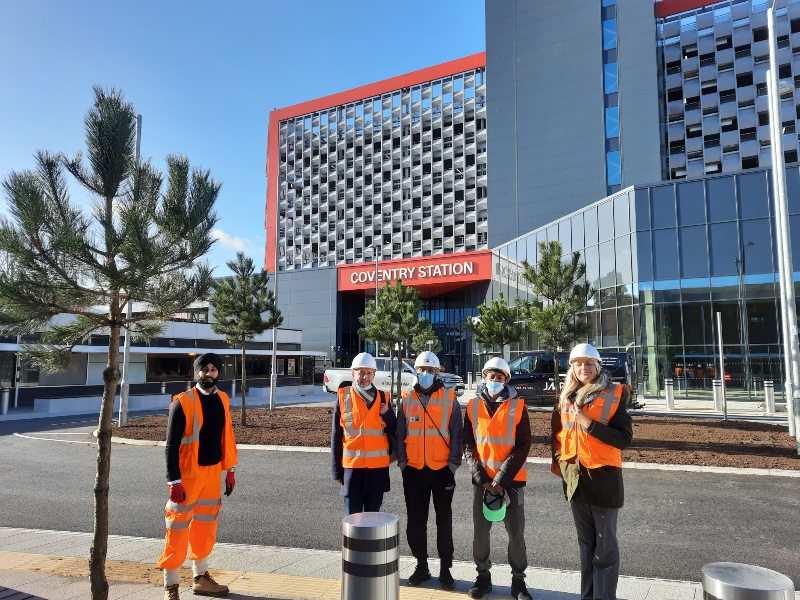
(743, 328)
(375, 250)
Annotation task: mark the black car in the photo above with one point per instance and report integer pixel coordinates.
(532, 374)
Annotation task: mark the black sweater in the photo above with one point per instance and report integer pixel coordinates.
(210, 451)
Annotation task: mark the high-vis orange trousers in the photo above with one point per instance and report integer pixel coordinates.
(193, 523)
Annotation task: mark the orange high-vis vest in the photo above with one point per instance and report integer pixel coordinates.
(495, 435)
(365, 443)
(424, 445)
(576, 442)
(190, 442)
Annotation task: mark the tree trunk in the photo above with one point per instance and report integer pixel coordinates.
(99, 549)
(244, 383)
(391, 373)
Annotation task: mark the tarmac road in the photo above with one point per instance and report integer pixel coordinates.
(672, 524)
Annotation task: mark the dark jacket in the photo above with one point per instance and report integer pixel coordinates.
(603, 486)
(455, 427)
(360, 481)
(519, 455)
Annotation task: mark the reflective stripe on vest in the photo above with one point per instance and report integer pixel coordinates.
(364, 447)
(428, 438)
(576, 442)
(493, 447)
(195, 435)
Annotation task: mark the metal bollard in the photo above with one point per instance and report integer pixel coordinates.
(188, 385)
(469, 381)
(769, 397)
(163, 387)
(4, 393)
(370, 557)
(233, 388)
(717, 385)
(735, 581)
(669, 392)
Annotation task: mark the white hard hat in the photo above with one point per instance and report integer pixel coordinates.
(427, 359)
(364, 361)
(496, 364)
(584, 351)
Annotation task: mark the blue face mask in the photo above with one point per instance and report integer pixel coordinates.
(425, 380)
(494, 387)
(362, 391)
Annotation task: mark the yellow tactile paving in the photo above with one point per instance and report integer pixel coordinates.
(312, 588)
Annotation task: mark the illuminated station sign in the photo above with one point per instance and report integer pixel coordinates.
(431, 275)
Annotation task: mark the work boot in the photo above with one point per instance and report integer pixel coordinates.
(483, 585)
(518, 589)
(204, 585)
(446, 579)
(420, 575)
(171, 592)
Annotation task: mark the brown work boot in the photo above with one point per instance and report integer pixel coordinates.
(171, 593)
(204, 585)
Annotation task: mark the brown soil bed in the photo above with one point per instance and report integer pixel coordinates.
(655, 439)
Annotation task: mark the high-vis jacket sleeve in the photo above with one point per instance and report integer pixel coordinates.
(519, 455)
(478, 473)
(176, 425)
(400, 436)
(456, 427)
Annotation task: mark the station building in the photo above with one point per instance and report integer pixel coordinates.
(633, 131)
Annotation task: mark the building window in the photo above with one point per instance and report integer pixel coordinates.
(610, 78)
(609, 34)
(613, 167)
(612, 122)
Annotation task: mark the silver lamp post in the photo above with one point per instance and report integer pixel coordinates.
(126, 353)
(744, 329)
(788, 310)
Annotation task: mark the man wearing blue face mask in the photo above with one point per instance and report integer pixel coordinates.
(429, 429)
(497, 439)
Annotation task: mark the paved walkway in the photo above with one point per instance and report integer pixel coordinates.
(52, 565)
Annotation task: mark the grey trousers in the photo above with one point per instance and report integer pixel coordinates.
(597, 539)
(515, 527)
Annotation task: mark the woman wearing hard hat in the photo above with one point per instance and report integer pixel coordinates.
(591, 427)
(362, 426)
(497, 438)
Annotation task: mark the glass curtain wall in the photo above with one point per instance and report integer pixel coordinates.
(665, 259)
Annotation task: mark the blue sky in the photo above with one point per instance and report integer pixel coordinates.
(204, 76)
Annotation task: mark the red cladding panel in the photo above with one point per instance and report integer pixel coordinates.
(453, 67)
(665, 8)
(431, 275)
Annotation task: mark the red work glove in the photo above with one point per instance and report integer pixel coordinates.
(230, 483)
(176, 493)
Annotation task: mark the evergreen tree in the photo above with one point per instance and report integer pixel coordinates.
(239, 305)
(136, 245)
(423, 334)
(562, 294)
(395, 322)
(497, 324)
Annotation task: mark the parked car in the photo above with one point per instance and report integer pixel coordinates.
(532, 374)
(337, 378)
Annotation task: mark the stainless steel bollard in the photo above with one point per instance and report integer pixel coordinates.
(4, 393)
(370, 557)
(233, 388)
(188, 385)
(717, 385)
(163, 387)
(735, 581)
(669, 392)
(769, 397)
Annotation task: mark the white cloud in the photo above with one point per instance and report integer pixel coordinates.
(237, 243)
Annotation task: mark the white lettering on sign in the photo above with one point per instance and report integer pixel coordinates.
(411, 273)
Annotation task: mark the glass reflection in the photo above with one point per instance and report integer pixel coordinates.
(694, 252)
(663, 206)
(721, 199)
(753, 195)
(608, 275)
(691, 203)
(622, 224)
(605, 221)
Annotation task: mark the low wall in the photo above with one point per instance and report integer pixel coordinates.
(91, 404)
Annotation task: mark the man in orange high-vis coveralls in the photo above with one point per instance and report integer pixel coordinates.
(200, 445)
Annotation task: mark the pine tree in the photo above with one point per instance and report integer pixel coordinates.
(394, 323)
(424, 334)
(239, 305)
(562, 294)
(497, 324)
(136, 245)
